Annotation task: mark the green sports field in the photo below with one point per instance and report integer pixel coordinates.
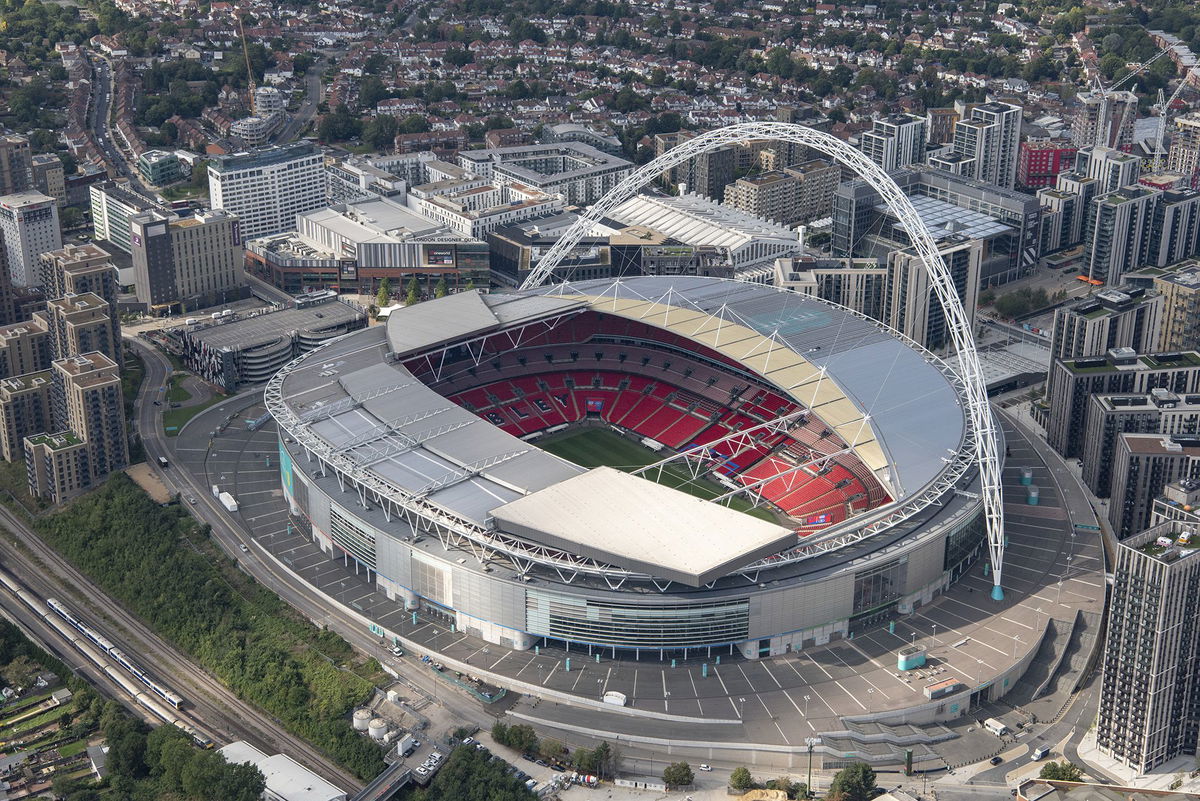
(599, 447)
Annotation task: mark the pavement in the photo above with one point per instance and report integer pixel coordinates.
(769, 704)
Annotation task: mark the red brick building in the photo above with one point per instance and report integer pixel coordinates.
(1039, 161)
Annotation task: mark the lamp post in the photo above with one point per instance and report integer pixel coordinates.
(600, 689)
(811, 742)
(806, 699)
(741, 708)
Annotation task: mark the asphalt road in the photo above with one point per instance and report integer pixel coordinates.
(308, 109)
(102, 94)
(149, 426)
(230, 537)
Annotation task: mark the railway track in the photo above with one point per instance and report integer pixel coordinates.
(215, 708)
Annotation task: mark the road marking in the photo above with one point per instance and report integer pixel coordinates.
(852, 696)
(695, 692)
(772, 675)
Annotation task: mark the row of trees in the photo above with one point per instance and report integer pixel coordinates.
(1021, 302)
(472, 774)
(243, 633)
(524, 739)
(599, 761)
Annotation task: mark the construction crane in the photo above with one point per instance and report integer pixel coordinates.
(1105, 94)
(249, 68)
(1163, 107)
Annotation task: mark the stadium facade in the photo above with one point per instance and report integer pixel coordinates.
(411, 449)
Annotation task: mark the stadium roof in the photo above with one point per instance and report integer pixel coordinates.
(622, 519)
(467, 314)
(892, 403)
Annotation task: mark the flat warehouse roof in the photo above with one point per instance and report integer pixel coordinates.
(642, 526)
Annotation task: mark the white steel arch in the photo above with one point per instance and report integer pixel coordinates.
(979, 412)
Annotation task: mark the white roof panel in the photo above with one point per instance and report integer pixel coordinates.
(639, 525)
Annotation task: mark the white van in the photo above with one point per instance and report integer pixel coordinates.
(1040, 753)
(995, 727)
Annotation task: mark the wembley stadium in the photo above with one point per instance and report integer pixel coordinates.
(654, 464)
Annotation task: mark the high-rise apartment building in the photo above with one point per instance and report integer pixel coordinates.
(16, 165)
(894, 141)
(193, 262)
(25, 347)
(986, 145)
(24, 410)
(939, 125)
(88, 440)
(1143, 464)
(1150, 692)
(1184, 155)
(113, 203)
(1111, 168)
(797, 194)
(859, 284)
(1104, 119)
(1175, 228)
(1109, 416)
(78, 270)
(1117, 233)
(1121, 371)
(1180, 290)
(912, 305)
(49, 177)
(771, 195)
(78, 324)
(1127, 317)
(1040, 161)
(29, 226)
(818, 180)
(1065, 210)
(268, 187)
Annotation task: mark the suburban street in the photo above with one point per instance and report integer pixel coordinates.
(308, 109)
(102, 125)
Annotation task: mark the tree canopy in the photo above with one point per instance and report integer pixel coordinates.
(856, 782)
(243, 633)
(678, 774)
(1061, 771)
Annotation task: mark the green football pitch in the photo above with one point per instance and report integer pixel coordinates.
(600, 447)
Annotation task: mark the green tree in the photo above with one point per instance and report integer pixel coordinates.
(1061, 771)
(371, 92)
(414, 292)
(678, 774)
(384, 296)
(380, 132)
(741, 779)
(853, 783)
(551, 750)
(441, 290)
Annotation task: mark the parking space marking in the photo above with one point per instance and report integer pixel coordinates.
(695, 692)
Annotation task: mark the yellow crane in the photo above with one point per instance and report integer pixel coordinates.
(249, 68)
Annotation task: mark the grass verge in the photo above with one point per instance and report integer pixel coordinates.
(175, 419)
